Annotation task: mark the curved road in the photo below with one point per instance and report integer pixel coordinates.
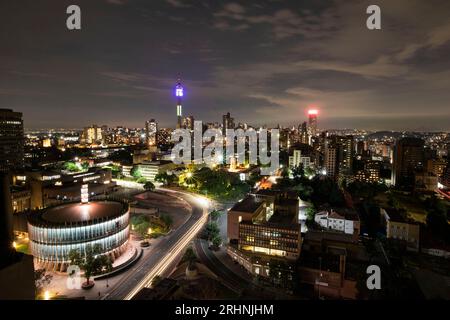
(164, 253)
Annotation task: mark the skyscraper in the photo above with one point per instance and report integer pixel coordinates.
(312, 122)
(151, 133)
(346, 153)
(339, 152)
(179, 93)
(11, 139)
(227, 123)
(303, 129)
(408, 158)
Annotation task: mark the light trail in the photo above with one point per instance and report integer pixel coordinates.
(164, 263)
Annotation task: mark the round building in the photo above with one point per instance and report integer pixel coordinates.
(55, 231)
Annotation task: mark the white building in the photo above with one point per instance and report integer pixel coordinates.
(297, 159)
(344, 222)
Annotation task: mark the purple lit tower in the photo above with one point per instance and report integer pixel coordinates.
(179, 92)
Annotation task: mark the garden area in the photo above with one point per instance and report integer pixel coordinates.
(149, 227)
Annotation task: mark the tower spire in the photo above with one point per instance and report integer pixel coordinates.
(179, 92)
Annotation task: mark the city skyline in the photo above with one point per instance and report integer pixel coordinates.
(264, 62)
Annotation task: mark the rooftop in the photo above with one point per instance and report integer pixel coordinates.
(76, 212)
(395, 215)
(248, 204)
(283, 219)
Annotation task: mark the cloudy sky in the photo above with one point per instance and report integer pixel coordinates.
(265, 61)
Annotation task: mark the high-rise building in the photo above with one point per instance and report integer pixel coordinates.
(188, 122)
(92, 135)
(11, 139)
(151, 133)
(408, 158)
(304, 136)
(179, 93)
(445, 178)
(339, 152)
(227, 123)
(297, 159)
(331, 160)
(312, 123)
(346, 153)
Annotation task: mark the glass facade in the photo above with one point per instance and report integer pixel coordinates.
(53, 243)
(269, 239)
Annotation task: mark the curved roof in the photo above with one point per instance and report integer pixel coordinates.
(77, 212)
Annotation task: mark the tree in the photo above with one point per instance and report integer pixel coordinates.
(189, 256)
(135, 172)
(310, 213)
(141, 180)
(71, 166)
(167, 220)
(85, 166)
(212, 230)
(93, 262)
(298, 172)
(215, 214)
(309, 172)
(41, 280)
(165, 178)
(217, 241)
(149, 186)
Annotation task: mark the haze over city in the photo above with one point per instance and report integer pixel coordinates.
(265, 62)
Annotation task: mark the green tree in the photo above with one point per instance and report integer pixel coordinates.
(310, 213)
(141, 180)
(85, 166)
(189, 256)
(216, 241)
(136, 172)
(149, 186)
(92, 262)
(71, 166)
(212, 230)
(215, 214)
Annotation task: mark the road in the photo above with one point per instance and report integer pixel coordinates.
(164, 253)
(227, 277)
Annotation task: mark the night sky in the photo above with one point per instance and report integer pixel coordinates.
(265, 62)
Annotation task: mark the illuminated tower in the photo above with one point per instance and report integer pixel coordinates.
(312, 123)
(179, 94)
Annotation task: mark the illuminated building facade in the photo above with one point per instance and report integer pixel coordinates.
(92, 135)
(263, 231)
(188, 122)
(179, 93)
(151, 132)
(55, 231)
(11, 139)
(370, 173)
(312, 122)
